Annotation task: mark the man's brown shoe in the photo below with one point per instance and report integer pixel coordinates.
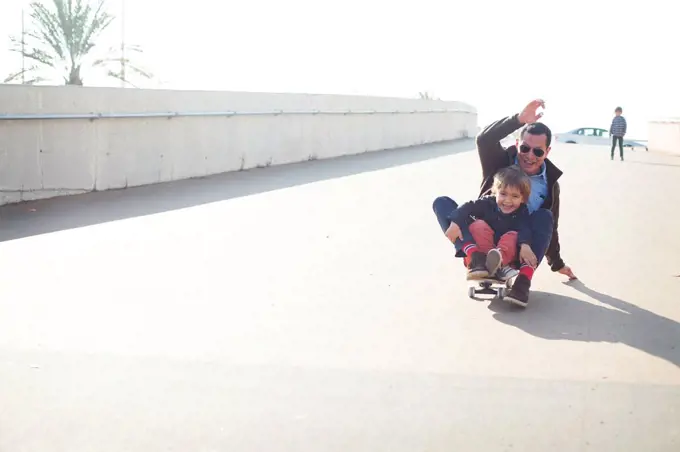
(519, 294)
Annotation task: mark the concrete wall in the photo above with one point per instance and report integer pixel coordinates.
(41, 158)
(664, 136)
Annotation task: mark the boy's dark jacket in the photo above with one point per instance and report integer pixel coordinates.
(495, 157)
(486, 209)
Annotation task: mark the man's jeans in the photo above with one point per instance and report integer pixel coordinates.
(541, 227)
(442, 207)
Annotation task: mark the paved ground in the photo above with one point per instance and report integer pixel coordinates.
(317, 307)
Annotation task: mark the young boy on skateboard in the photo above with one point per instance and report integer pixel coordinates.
(497, 223)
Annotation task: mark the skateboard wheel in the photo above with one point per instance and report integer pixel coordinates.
(501, 293)
(471, 292)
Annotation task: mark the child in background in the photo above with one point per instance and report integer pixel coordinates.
(618, 130)
(498, 224)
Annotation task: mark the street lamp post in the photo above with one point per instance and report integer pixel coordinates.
(122, 43)
(23, 47)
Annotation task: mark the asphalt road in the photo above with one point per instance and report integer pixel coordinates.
(318, 307)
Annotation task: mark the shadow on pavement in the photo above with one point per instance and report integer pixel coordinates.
(558, 317)
(68, 212)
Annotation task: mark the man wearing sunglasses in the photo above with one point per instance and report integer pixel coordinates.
(531, 154)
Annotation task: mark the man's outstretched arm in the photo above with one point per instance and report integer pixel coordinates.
(489, 147)
(553, 253)
(491, 152)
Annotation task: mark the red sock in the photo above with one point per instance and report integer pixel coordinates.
(527, 270)
(470, 248)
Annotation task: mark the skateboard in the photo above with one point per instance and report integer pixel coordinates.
(489, 286)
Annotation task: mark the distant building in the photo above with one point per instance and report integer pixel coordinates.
(664, 135)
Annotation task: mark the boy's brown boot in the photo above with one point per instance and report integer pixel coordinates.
(477, 267)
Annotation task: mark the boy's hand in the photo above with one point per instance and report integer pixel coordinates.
(527, 256)
(454, 232)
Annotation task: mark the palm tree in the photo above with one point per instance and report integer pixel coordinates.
(61, 39)
(426, 95)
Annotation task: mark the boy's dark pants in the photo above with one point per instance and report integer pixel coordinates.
(541, 227)
(620, 140)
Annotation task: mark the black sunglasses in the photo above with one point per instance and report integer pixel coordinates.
(524, 148)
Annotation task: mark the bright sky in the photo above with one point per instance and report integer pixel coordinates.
(583, 57)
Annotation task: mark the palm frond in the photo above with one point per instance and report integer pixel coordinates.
(48, 28)
(119, 76)
(14, 76)
(92, 27)
(19, 75)
(140, 72)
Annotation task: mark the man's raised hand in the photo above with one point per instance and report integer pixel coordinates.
(529, 114)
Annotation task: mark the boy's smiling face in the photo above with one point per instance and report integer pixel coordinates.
(509, 199)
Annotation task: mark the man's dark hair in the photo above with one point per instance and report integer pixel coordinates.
(619, 109)
(538, 128)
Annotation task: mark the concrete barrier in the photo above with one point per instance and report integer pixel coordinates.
(664, 136)
(65, 140)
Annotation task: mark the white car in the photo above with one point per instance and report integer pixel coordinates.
(592, 135)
